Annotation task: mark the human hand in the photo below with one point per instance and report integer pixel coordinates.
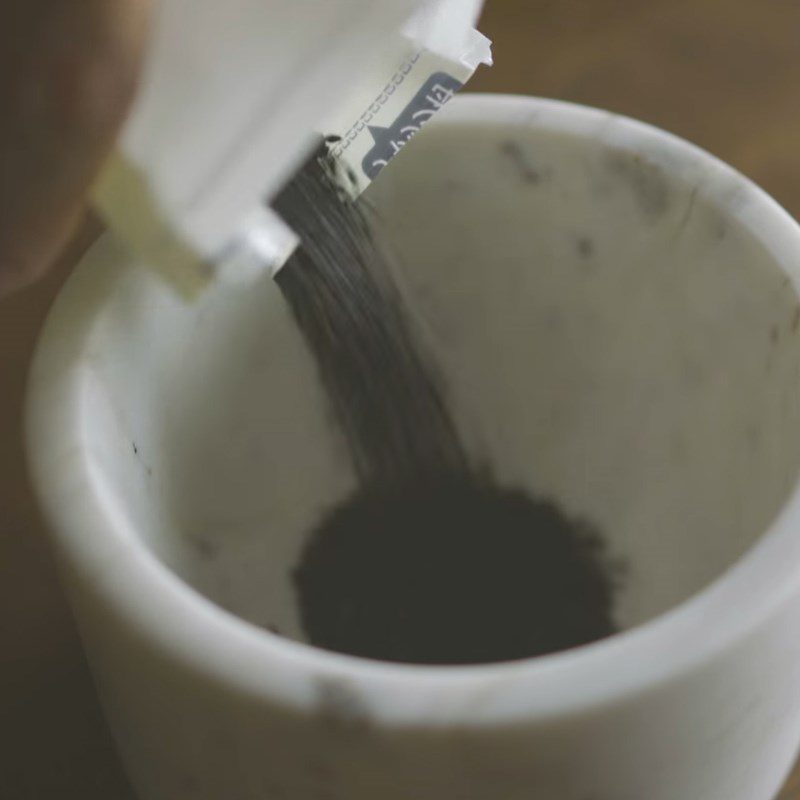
(68, 72)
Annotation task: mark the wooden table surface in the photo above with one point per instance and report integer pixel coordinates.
(722, 73)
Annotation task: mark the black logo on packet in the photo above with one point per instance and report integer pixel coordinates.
(435, 92)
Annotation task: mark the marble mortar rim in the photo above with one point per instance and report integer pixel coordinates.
(99, 549)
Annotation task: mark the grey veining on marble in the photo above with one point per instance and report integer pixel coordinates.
(616, 316)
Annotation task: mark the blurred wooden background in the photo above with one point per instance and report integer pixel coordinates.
(722, 73)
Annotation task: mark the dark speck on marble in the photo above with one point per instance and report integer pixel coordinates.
(646, 181)
(203, 546)
(796, 319)
(717, 223)
(147, 468)
(689, 209)
(522, 162)
(341, 706)
(752, 436)
(774, 334)
(585, 246)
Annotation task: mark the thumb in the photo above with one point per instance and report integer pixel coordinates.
(68, 71)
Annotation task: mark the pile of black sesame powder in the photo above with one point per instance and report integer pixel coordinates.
(429, 561)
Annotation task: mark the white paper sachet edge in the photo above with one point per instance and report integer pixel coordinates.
(370, 128)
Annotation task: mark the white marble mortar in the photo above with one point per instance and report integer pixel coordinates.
(616, 315)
